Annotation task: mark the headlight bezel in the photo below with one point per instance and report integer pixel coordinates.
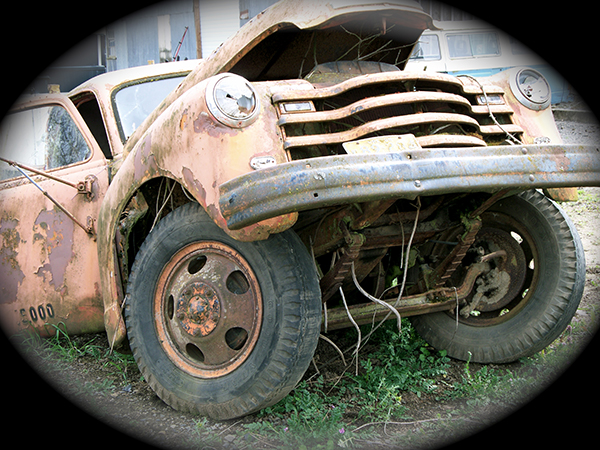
(538, 97)
(225, 93)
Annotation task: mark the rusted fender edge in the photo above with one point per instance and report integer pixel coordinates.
(326, 181)
(187, 146)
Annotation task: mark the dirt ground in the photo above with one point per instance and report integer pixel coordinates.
(77, 408)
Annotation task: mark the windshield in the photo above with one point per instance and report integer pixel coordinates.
(135, 102)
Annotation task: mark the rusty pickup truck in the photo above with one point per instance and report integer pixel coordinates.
(296, 181)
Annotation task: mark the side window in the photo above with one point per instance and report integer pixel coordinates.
(475, 44)
(459, 46)
(89, 109)
(485, 44)
(43, 138)
(428, 48)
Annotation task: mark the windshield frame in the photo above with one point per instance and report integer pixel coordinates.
(115, 92)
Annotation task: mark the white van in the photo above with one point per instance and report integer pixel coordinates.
(478, 49)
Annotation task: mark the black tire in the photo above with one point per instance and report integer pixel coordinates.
(220, 327)
(544, 302)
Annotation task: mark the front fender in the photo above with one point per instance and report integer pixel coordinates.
(187, 145)
(539, 125)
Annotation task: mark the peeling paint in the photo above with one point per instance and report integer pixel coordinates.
(182, 141)
(200, 192)
(144, 159)
(562, 162)
(205, 125)
(183, 120)
(11, 275)
(58, 243)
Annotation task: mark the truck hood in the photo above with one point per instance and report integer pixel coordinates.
(290, 38)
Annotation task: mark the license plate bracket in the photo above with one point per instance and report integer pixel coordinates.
(382, 144)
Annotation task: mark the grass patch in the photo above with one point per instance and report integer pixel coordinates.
(321, 413)
(120, 369)
(353, 410)
(405, 393)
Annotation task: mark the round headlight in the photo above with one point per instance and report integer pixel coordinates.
(531, 89)
(232, 100)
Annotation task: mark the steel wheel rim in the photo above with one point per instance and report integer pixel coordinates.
(530, 266)
(208, 309)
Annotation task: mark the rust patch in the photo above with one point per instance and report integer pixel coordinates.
(562, 162)
(144, 159)
(200, 192)
(215, 213)
(11, 275)
(58, 243)
(203, 124)
(183, 120)
(198, 309)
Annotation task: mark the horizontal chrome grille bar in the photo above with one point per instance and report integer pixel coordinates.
(372, 103)
(438, 109)
(378, 125)
(461, 84)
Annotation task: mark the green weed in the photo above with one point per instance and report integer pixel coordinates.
(480, 384)
(344, 408)
(402, 362)
(64, 348)
(306, 415)
(318, 412)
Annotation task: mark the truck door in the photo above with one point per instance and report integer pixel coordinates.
(53, 177)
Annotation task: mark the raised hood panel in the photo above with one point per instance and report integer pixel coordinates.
(288, 39)
(292, 37)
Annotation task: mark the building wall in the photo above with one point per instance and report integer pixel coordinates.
(251, 8)
(151, 35)
(219, 19)
(443, 11)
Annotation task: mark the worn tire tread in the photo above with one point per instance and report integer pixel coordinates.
(533, 334)
(297, 338)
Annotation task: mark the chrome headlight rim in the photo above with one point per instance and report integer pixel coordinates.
(232, 100)
(523, 93)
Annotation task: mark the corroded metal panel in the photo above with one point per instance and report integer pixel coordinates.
(344, 179)
(188, 145)
(50, 275)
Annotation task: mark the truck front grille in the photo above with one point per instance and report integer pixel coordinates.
(439, 110)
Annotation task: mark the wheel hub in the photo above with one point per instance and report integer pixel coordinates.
(208, 309)
(198, 309)
(505, 282)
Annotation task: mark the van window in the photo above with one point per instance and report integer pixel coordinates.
(43, 138)
(428, 48)
(473, 45)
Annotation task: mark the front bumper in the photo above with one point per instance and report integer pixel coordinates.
(327, 181)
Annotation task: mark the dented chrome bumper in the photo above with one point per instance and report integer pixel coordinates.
(326, 181)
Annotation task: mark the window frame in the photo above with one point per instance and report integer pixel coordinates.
(30, 102)
(469, 34)
(114, 92)
(439, 57)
